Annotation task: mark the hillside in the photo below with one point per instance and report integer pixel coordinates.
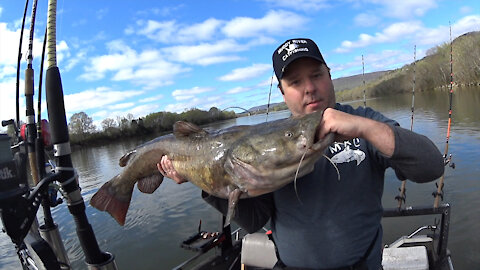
(431, 72)
(350, 82)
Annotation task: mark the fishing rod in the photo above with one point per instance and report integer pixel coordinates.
(402, 195)
(438, 194)
(36, 154)
(269, 95)
(19, 58)
(31, 131)
(49, 230)
(363, 77)
(68, 178)
(413, 87)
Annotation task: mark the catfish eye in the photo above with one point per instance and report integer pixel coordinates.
(288, 134)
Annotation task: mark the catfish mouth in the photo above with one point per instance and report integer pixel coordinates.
(257, 172)
(321, 144)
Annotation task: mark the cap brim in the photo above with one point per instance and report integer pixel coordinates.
(292, 59)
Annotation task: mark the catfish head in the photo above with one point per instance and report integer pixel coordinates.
(269, 157)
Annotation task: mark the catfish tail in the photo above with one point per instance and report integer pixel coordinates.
(108, 199)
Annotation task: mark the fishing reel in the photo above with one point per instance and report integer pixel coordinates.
(448, 161)
(18, 204)
(14, 209)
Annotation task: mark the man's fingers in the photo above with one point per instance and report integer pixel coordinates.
(165, 167)
(160, 169)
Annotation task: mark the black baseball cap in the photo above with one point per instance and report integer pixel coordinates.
(292, 50)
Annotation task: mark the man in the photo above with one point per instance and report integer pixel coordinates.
(335, 224)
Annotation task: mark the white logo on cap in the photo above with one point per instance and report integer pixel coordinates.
(291, 47)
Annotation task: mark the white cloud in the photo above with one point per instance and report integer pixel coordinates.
(205, 53)
(96, 98)
(200, 103)
(121, 106)
(7, 105)
(238, 89)
(9, 50)
(246, 73)
(366, 20)
(304, 5)
(159, 31)
(274, 22)
(199, 31)
(404, 9)
(151, 99)
(172, 32)
(147, 68)
(414, 31)
(184, 94)
(384, 60)
(7, 71)
(272, 80)
(441, 34)
(143, 110)
(391, 33)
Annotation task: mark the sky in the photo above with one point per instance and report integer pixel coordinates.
(140, 57)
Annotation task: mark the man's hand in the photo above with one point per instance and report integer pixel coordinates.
(165, 167)
(348, 126)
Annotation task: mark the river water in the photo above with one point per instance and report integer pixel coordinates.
(156, 224)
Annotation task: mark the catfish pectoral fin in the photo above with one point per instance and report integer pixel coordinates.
(150, 184)
(106, 199)
(233, 198)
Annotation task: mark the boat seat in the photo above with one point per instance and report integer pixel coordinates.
(258, 251)
(402, 258)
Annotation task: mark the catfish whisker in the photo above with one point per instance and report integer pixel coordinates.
(334, 165)
(296, 174)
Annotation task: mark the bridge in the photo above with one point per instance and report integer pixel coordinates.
(236, 107)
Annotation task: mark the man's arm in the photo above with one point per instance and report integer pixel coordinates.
(348, 126)
(411, 155)
(416, 157)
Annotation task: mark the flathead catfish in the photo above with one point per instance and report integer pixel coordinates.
(233, 163)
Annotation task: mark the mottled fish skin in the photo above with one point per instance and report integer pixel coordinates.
(226, 163)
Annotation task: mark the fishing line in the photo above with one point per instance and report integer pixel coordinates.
(439, 193)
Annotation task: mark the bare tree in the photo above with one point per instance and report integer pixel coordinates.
(80, 123)
(108, 123)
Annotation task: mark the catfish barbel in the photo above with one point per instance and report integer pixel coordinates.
(232, 163)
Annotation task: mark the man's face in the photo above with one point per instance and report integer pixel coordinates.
(307, 86)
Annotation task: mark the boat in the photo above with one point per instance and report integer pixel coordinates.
(425, 248)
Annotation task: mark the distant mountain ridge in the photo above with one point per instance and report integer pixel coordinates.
(351, 82)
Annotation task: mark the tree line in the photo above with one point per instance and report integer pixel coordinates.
(83, 131)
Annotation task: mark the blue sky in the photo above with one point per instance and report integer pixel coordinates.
(139, 57)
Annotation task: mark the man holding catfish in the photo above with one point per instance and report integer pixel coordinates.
(332, 224)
